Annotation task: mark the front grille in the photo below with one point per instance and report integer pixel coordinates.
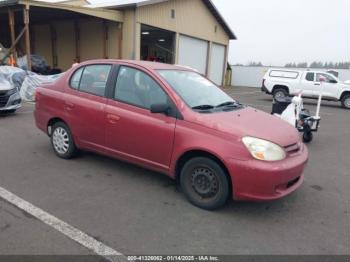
(3, 100)
(293, 148)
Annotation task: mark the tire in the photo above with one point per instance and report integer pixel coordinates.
(308, 137)
(62, 141)
(345, 101)
(204, 183)
(12, 111)
(279, 93)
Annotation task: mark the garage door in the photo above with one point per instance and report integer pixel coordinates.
(217, 63)
(193, 53)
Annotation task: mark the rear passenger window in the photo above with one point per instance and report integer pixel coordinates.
(310, 77)
(137, 88)
(75, 80)
(94, 79)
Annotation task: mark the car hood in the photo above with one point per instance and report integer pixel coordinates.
(250, 122)
(5, 86)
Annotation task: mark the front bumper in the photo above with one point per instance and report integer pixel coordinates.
(10, 102)
(263, 181)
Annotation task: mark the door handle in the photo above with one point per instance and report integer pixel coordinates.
(317, 84)
(113, 119)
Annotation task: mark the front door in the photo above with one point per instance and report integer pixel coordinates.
(329, 88)
(132, 131)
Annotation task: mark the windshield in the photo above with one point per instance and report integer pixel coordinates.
(196, 91)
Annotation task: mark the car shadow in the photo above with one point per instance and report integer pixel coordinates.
(311, 102)
(232, 207)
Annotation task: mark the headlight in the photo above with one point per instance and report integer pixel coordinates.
(264, 150)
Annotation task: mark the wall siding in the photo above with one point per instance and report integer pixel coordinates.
(192, 18)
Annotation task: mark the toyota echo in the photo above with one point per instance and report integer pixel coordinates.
(172, 120)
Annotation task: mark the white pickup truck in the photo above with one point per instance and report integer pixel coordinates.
(282, 82)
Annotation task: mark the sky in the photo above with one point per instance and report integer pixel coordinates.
(277, 32)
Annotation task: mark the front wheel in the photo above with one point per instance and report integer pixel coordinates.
(308, 137)
(204, 182)
(62, 141)
(346, 101)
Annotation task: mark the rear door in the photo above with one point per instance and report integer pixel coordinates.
(85, 103)
(132, 131)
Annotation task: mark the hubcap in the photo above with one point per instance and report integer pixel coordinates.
(60, 140)
(204, 182)
(347, 102)
(279, 94)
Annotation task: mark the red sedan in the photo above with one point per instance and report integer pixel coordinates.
(172, 120)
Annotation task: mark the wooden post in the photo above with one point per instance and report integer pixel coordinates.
(105, 39)
(54, 45)
(120, 40)
(12, 30)
(77, 41)
(27, 36)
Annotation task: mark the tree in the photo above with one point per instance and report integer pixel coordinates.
(302, 65)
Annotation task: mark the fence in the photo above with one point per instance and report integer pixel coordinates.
(252, 76)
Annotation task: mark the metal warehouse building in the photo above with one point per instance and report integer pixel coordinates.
(186, 32)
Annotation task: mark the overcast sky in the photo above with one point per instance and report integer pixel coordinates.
(276, 32)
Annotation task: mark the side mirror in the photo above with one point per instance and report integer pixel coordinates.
(160, 109)
(333, 81)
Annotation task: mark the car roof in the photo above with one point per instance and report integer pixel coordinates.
(145, 64)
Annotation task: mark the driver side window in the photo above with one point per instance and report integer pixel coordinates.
(328, 78)
(137, 88)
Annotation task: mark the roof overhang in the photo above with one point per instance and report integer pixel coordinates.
(124, 4)
(112, 15)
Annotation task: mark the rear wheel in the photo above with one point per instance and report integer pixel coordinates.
(62, 141)
(279, 93)
(204, 183)
(345, 101)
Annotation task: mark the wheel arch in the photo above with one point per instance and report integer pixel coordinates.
(347, 92)
(186, 156)
(279, 86)
(53, 121)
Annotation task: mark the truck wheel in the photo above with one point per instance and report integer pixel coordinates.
(307, 137)
(204, 183)
(345, 101)
(279, 93)
(62, 141)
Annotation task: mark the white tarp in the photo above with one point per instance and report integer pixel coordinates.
(26, 82)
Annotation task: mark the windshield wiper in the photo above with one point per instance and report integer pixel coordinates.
(229, 104)
(203, 107)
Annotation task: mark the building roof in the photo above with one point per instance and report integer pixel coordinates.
(112, 15)
(121, 4)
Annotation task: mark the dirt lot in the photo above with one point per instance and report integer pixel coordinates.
(136, 211)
